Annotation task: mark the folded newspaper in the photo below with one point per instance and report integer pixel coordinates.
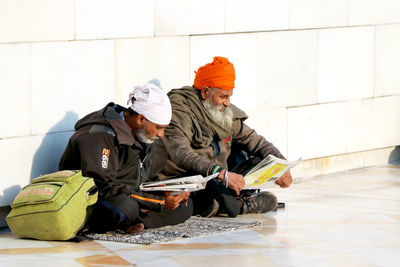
(189, 183)
(263, 175)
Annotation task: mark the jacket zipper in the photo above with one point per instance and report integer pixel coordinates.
(141, 168)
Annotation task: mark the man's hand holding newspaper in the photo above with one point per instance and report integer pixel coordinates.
(265, 174)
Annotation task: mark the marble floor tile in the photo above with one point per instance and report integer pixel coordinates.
(346, 219)
(387, 255)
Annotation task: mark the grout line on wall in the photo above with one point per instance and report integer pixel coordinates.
(32, 135)
(325, 103)
(294, 29)
(349, 153)
(199, 34)
(340, 101)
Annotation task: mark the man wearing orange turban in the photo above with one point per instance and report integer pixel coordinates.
(204, 137)
(218, 74)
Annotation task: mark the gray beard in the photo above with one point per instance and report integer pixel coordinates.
(222, 118)
(143, 137)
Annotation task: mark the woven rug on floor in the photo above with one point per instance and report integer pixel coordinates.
(193, 227)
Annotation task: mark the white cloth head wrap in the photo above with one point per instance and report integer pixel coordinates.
(151, 101)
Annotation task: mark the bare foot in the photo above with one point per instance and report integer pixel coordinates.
(135, 228)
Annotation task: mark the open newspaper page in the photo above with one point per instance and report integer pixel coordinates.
(265, 173)
(189, 183)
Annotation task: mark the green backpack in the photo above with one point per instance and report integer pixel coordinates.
(53, 206)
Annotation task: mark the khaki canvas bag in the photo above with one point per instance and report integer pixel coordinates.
(52, 206)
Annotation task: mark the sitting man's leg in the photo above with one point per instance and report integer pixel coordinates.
(215, 198)
(155, 219)
(125, 213)
(119, 212)
(257, 202)
(204, 203)
(253, 201)
(249, 201)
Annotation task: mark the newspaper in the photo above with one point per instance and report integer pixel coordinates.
(189, 183)
(265, 173)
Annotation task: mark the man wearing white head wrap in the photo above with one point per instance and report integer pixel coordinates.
(113, 145)
(151, 101)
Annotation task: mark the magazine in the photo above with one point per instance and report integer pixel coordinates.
(265, 173)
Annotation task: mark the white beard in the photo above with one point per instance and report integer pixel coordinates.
(222, 118)
(143, 137)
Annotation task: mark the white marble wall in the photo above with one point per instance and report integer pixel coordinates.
(387, 60)
(317, 13)
(165, 59)
(366, 12)
(69, 79)
(317, 130)
(39, 20)
(319, 78)
(345, 64)
(28, 156)
(372, 123)
(14, 89)
(342, 163)
(276, 51)
(256, 15)
(186, 17)
(100, 19)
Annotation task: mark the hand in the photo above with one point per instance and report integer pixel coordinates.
(285, 180)
(235, 181)
(172, 201)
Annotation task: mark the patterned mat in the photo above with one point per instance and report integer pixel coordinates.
(193, 227)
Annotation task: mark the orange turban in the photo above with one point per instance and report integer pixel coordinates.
(218, 74)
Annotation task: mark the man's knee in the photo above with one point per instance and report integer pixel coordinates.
(228, 205)
(111, 214)
(127, 205)
(157, 219)
(184, 211)
(224, 196)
